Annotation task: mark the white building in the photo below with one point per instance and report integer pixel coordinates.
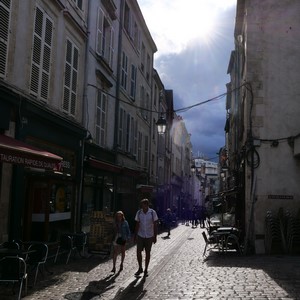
(263, 113)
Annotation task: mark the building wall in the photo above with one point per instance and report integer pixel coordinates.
(267, 60)
(101, 74)
(33, 83)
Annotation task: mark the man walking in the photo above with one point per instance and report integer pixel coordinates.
(145, 234)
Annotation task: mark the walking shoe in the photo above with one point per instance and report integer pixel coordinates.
(113, 270)
(139, 271)
(145, 273)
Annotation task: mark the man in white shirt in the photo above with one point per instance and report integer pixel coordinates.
(145, 234)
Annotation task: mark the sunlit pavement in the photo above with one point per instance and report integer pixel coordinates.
(177, 271)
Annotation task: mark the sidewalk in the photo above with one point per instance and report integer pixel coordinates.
(177, 270)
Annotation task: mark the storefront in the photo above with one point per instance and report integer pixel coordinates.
(40, 172)
(107, 187)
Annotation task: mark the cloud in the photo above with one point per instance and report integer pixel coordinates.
(174, 23)
(194, 64)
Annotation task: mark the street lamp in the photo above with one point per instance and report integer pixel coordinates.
(193, 168)
(161, 125)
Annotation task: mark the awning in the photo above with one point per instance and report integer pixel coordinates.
(104, 166)
(16, 152)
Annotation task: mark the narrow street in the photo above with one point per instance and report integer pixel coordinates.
(177, 271)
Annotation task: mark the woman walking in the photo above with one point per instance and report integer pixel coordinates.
(122, 236)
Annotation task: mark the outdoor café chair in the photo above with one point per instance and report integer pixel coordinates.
(209, 241)
(37, 257)
(79, 241)
(65, 247)
(10, 245)
(13, 270)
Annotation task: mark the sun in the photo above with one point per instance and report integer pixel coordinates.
(176, 23)
(199, 21)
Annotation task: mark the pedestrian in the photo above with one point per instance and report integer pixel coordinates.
(168, 219)
(122, 235)
(145, 234)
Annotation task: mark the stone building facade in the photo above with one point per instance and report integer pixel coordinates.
(263, 109)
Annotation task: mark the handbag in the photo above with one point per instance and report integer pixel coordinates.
(120, 241)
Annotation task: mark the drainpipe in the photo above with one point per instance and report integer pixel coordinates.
(79, 206)
(117, 106)
(119, 57)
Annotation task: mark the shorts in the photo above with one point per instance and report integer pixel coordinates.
(144, 243)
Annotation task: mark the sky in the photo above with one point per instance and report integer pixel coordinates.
(194, 39)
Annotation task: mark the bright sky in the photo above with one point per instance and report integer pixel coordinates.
(176, 23)
(194, 40)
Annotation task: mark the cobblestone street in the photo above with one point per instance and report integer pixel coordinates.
(177, 271)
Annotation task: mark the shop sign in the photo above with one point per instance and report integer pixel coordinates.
(287, 197)
(28, 162)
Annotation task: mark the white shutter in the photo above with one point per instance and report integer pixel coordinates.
(45, 80)
(111, 47)
(71, 78)
(41, 55)
(135, 145)
(99, 40)
(101, 119)
(4, 33)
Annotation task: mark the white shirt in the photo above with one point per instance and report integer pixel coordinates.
(146, 220)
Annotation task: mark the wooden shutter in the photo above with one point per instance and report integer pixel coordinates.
(4, 34)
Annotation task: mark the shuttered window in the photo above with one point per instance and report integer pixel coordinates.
(105, 38)
(41, 55)
(5, 7)
(122, 124)
(139, 149)
(101, 118)
(124, 71)
(133, 82)
(71, 78)
(146, 151)
(78, 3)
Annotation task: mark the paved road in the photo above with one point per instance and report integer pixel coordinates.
(177, 271)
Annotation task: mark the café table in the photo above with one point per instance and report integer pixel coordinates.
(222, 234)
(15, 252)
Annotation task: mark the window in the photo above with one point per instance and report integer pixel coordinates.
(154, 129)
(152, 164)
(146, 151)
(136, 36)
(78, 3)
(124, 71)
(41, 55)
(142, 100)
(139, 149)
(127, 18)
(4, 34)
(135, 138)
(101, 118)
(127, 137)
(105, 38)
(143, 57)
(71, 77)
(132, 132)
(155, 95)
(133, 82)
(145, 103)
(121, 133)
(148, 68)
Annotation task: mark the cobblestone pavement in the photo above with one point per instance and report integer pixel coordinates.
(177, 271)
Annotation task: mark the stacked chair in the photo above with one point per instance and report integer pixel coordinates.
(293, 234)
(282, 232)
(272, 234)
